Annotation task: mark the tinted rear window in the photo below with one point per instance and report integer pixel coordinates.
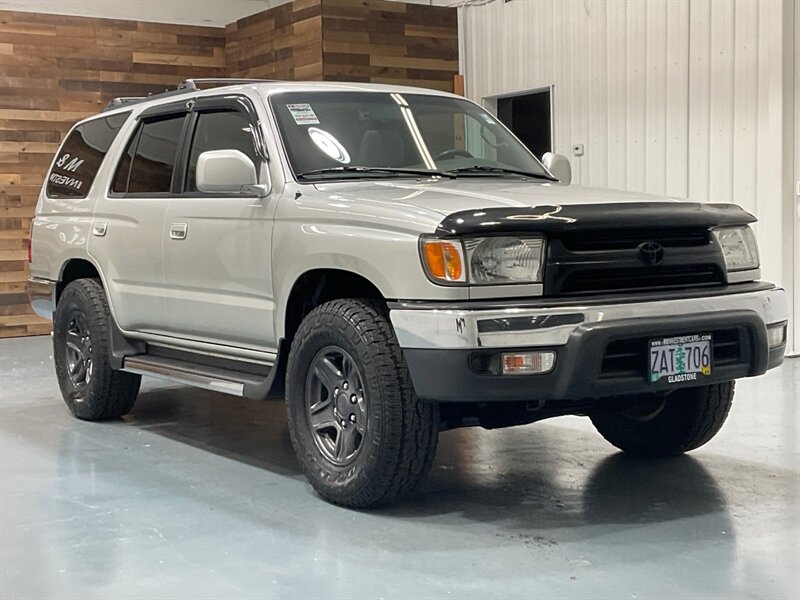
(81, 155)
(148, 162)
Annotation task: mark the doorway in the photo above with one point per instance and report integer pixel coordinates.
(529, 116)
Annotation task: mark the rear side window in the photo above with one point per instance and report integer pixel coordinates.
(224, 130)
(149, 160)
(81, 155)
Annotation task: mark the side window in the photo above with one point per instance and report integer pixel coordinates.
(81, 155)
(223, 130)
(148, 162)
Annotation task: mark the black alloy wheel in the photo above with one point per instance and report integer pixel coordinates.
(336, 405)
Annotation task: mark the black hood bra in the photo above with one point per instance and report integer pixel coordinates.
(607, 216)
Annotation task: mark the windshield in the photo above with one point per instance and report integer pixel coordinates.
(332, 135)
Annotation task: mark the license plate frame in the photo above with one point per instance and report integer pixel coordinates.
(680, 359)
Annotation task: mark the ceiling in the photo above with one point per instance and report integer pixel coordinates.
(212, 13)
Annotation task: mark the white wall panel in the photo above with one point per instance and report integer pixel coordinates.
(699, 99)
(721, 101)
(679, 97)
(597, 134)
(636, 50)
(745, 104)
(617, 101)
(676, 165)
(655, 55)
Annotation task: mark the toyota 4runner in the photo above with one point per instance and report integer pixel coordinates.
(396, 263)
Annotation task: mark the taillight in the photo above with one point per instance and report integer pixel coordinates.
(30, 236)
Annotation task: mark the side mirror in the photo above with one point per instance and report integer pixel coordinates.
(228, 172)
(558, 165)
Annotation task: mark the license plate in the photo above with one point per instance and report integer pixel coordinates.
(680, 359)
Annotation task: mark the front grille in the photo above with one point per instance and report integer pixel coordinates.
(639, 279)
(628, 357)
(608, 261)
(592, 241)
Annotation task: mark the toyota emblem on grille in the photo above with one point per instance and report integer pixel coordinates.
(650, 253)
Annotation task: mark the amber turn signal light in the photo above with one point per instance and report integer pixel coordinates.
(444, 260)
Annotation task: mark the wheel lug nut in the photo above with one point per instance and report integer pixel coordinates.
(344, 423)
(352, 418)
(335, 391)
(345, 385)
(353, 399)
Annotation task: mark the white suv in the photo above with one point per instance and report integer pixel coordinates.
(398, 262)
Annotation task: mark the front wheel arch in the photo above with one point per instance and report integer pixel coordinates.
(310, 290)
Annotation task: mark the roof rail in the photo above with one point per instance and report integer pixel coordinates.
(188, 85)
(122, 101)
(126, 100)
(192, 84)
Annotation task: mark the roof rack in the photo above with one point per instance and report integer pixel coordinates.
(191, 84)
(188, 85)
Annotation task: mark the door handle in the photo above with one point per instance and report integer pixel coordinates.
(177, 231)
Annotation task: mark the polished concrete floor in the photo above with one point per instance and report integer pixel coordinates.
(197, 495)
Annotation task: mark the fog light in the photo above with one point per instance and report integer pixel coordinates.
(776, 335)
(528, 363)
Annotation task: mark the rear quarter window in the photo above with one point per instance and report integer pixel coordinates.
(81, 155)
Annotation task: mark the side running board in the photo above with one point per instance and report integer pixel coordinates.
(211, 378)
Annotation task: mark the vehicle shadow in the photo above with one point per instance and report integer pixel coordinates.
(537, 477)
(250, 432)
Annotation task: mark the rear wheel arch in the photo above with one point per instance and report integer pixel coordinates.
(75, 268)
(119, 345)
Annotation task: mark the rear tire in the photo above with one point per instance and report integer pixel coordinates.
(91, 388)
(668, 424)
(359, 431)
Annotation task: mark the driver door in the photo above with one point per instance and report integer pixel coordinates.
(217, 247)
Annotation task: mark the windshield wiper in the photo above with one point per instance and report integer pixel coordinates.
(498, 171)
(375, 170)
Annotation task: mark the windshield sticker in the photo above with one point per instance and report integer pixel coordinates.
(329, 145)
(303, 114)
(486, 117)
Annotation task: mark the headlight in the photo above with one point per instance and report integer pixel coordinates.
(499, 260)
(738, 247)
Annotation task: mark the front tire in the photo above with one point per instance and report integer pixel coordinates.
(666, 425)
(91, 388)
(359, 431)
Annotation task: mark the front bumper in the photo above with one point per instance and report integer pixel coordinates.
(447, 347)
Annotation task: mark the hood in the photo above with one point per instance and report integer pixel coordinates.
(470, 206)
(449, 196)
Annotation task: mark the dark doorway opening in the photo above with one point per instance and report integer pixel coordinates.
(528, 116)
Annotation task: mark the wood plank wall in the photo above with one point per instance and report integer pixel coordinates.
(55, 70)
(284, 42)
(390, 42)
